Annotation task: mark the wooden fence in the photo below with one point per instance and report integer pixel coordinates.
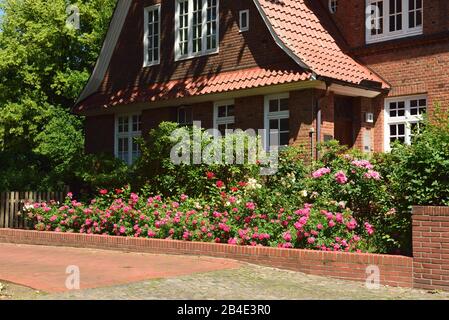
(11, 204)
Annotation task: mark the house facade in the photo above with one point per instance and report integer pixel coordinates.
(359, 71)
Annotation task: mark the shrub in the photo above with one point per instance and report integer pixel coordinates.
(93, 172)
(351, 179)
(418, 174)
(233, 218)
(156, 172)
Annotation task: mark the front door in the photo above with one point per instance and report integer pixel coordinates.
(344, 120)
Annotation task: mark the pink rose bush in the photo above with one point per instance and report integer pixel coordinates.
(233, 217)
(356, 183)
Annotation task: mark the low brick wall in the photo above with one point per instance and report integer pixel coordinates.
(431, 248)
(394, 270)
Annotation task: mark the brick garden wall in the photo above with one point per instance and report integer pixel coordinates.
(431, 247)
(394, 270)
(427, 269)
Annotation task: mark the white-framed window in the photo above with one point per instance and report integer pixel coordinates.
(128, 127)
(196, 28)
(244, 20)
(392, 19)
(277, 120)
(152, 35)
(402, 118)
(224, 116)
(185, 116)
(333, 6)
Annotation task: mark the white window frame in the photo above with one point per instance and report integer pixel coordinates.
(407, 119)
(204, 51)
(274, 115)
(333, 6)
(147, 62)
(223, 120)
(387, 35)
(130, 134)
(241, 13)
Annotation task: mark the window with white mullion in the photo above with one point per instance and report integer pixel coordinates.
(211, 24)
(224, 116)
(377, 18)
(183, 27)
(128, 128)
(196, 28)
(415, 13)
(403, 117)
(395, 15)
(152, 35)
(277, 120)
(390, 19)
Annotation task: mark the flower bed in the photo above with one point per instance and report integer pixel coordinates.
(230, 217)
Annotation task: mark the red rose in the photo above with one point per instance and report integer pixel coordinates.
(210, 175)
(103, 191)
(220, 184)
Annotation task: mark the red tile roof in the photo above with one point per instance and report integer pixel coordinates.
(299, 27)
(222, 82)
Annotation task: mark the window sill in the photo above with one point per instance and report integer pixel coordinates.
(153, 64)
(402, 35)
(194, 56)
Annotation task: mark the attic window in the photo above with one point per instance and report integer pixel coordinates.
(244, 20)
(152, 35)
(196, 28)
(333, 5)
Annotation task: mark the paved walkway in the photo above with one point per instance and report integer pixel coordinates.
(168, 277)
(44, 268)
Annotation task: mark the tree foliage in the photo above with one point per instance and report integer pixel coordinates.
(44, 64)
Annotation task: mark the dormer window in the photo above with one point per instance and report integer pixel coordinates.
(392, 19)
(196, 27)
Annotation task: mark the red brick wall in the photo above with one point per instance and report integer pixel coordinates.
(415, 70)
(361, 107)
(249, 112)
(204, 112)
(99, 132)
(431, 247)
(394, 270)
(327, 114)
(378, 134)
(151, 118)
(302, 117)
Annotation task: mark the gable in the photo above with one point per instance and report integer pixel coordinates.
(237, 51)
(285, 37)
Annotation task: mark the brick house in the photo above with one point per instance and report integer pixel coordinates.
(359, 71)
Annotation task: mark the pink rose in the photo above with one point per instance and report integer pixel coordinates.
(341, 178)
(320, 172)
